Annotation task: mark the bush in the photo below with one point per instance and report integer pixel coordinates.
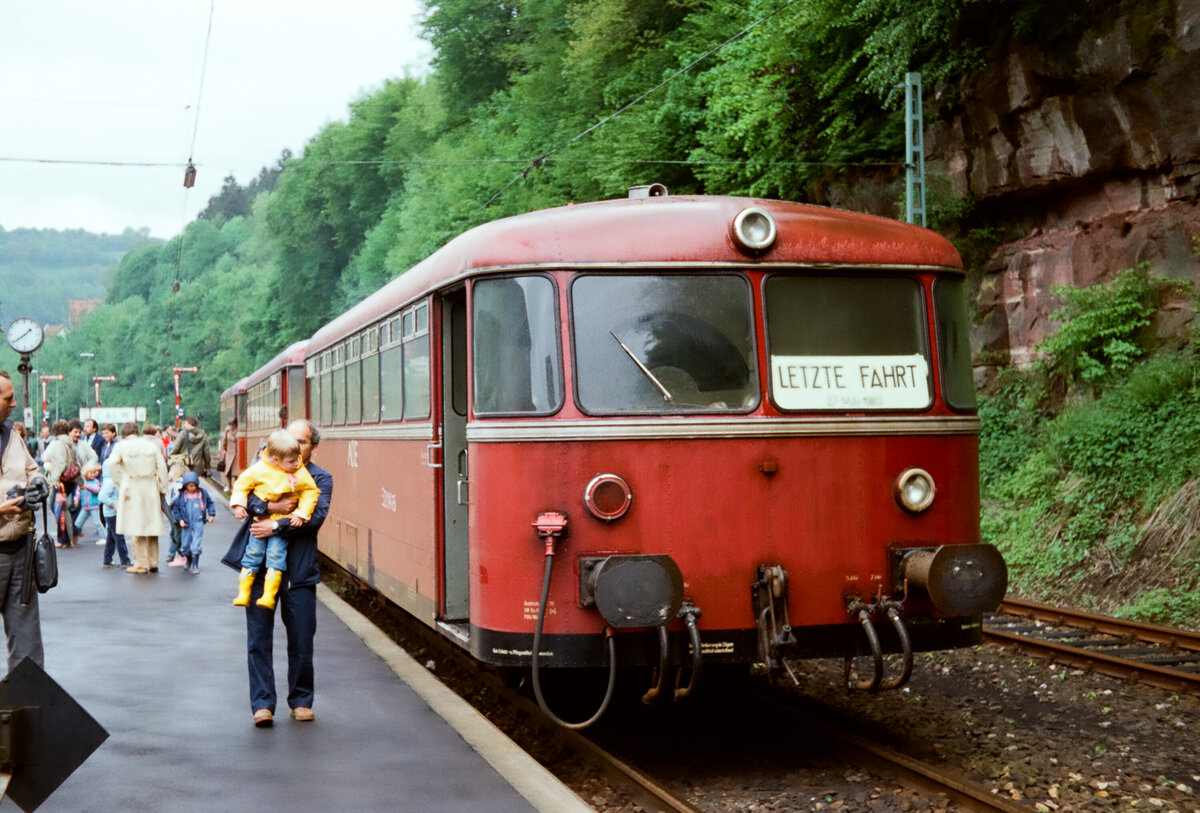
(1101, 333)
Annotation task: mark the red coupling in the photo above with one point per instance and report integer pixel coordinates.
(550, 523)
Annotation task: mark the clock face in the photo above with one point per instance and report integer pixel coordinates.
(24, 335)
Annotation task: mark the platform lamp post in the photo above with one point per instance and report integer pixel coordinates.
(89, 357)
(45, 379)
(96, 379)
(178, 408)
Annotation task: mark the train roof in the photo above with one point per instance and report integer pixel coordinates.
(647, 232)
(236, 389)
(290, 357)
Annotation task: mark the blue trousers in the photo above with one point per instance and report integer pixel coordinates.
(191, 538)
(114, 542)
(298, 609)
(273, 549)
(176, 546)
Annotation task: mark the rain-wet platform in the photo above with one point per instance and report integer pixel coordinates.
(160, 661)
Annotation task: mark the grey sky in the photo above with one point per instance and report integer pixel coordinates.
(117, 81)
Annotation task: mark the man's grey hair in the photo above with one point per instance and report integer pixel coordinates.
(314, 432)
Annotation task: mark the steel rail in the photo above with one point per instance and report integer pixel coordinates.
(830, 725)
(1150, 633)
(1098, 661)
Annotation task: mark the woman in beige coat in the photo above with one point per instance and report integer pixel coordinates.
(137, 467)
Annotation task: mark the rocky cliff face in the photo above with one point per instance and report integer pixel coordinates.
(1093, 155)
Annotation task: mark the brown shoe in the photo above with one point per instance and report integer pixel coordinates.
(302, 713)
(136, 570)
(263, 718)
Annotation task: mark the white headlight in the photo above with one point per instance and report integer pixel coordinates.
(754, 229)
(914, 490)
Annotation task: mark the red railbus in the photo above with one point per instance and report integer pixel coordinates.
(671, 432)
(233, 408)
(274, 393)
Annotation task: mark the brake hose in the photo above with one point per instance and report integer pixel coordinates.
(537, 645)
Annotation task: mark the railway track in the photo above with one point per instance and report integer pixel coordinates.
(640, 787)
(1160, 656)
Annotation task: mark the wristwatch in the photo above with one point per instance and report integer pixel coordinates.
(277, 525)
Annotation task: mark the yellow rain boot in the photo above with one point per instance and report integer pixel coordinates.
(245, 582)
(270, 589)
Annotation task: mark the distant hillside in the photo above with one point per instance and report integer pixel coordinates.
(41, 269)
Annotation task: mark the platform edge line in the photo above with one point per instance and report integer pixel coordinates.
(528, 777)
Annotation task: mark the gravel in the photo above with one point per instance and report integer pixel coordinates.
(1049, 737)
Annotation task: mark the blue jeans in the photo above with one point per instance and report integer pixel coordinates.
(298, 609)
(94, 515)
(190, 539)
(114, 541)
(176, 546)
(275, 549)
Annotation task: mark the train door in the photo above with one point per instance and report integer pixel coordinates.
(455, 493)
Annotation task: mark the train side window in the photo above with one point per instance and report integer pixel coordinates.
(416, 362)
(391, 381)
(326, 389)
(370, 378)
(516, 361)
(954, 343)
(338, 387)
(354, 381)
(663, 343)
(847, 343)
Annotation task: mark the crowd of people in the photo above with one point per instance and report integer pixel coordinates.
(134, 485)
(86, 463)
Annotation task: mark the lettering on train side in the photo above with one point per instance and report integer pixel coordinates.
(389, 500)
(352, 454)
(530, 610)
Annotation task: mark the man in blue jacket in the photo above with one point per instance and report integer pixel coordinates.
(297, 594)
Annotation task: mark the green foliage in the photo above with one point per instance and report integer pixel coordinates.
(1101, 326)
(1058, 489)
(41, 269)
(1177, 606)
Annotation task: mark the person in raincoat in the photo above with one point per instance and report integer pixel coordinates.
(138, 469)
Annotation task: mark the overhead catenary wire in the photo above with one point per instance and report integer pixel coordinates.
(189, 180)
(384, 162)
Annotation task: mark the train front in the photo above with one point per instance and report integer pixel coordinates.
(755, 461)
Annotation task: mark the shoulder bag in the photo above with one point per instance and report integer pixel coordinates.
(45, 560)
(41, 563)
(72, 470)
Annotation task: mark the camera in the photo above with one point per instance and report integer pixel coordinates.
(34, 494)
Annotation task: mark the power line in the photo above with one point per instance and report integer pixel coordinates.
(549, 159)
(203, 70)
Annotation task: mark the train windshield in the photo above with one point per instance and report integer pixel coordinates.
(515, 346)
(954, 342)
(847, 343)
(663, 344)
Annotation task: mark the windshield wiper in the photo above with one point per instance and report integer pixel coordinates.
(665, 392)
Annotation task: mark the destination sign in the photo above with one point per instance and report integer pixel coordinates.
(850, 382)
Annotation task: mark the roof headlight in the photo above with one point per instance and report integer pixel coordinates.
(754, 229)
(914, 490)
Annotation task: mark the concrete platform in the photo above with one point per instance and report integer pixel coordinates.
(160, 662)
